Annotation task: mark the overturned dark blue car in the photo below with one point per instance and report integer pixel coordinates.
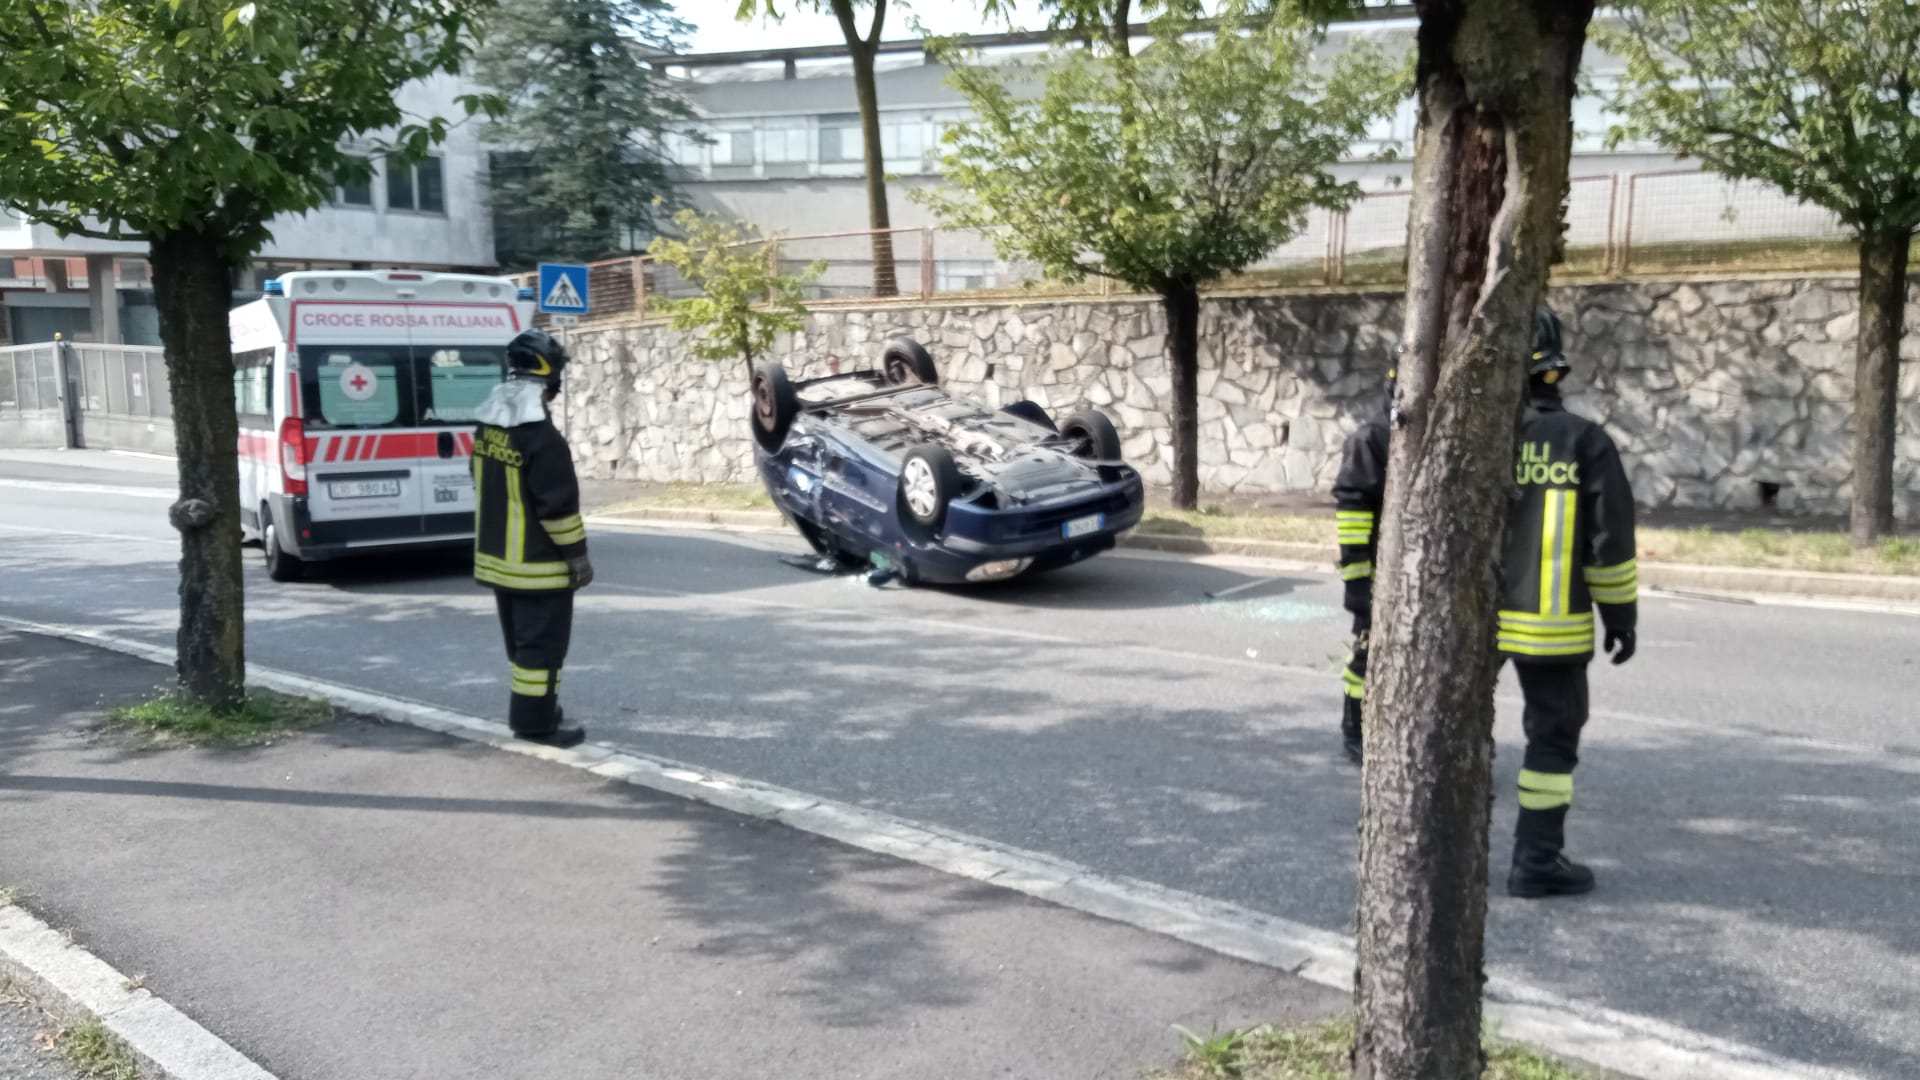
(884, 468)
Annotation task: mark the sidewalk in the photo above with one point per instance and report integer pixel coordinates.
(369, 901)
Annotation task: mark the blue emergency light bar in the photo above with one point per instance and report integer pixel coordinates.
(272, 287)
(526, 294)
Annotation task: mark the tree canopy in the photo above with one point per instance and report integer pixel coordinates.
(131, 118)
(1189, 161)
(1819, 98)
(580, 165)
(744, 301)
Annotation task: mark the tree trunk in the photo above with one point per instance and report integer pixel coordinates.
(1183, 361)
(1496, 80)
(1876, 381)
(884, 282)
(193, 289)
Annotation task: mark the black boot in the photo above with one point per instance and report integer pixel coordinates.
(1539, 869)
(1535, 875)
(541, 720)
(1350, 729)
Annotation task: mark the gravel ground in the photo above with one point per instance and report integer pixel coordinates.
(22, 1055)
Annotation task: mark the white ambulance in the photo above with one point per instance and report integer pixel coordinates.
(355, 391)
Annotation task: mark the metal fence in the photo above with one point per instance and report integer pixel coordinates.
(30, 380)
(1617, 225)
(105, 397)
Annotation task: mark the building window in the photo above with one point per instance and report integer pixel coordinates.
(904, 141)
(840, 138)
(786, 145)
(355, 193)
(733, 148)
(420, 187)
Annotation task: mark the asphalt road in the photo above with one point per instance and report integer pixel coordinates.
(1747, 790)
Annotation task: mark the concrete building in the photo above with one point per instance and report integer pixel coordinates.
(433, 215)
(785, 148)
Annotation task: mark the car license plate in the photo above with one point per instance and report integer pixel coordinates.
(364, 489)
(1083, 526)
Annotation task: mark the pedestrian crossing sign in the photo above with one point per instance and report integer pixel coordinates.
(563, 288)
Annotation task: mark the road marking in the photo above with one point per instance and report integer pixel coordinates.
(90, 489)
(1222, 594)
(1623, 1042)
(128, 537)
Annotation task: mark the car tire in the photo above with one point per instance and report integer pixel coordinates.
(281, 566)
(774, 405)
(929, 480)
(905, 360)
(1031, 412)
(1093, 435)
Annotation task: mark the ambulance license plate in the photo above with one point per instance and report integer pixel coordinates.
(364, 489)
(1083, 526)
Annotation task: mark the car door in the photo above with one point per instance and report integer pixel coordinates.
(360, 404)
(450, 382)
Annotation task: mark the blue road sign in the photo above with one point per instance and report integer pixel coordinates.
(563, 289)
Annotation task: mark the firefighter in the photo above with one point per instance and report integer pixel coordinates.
(1569, 549)
(1357, 492)
(529, 544)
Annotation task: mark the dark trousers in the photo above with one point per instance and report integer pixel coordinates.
(537, 627)
(1556, 710)
(1354, 681)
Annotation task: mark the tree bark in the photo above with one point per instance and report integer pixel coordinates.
(1496, 82)
(1876, 381)
(878, 219)
(1182, 303)
(193, 290)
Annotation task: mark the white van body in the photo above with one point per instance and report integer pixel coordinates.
(355, 391)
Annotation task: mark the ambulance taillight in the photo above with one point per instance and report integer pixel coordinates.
(293, 455)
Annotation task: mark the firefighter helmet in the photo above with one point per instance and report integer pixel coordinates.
(1547, 361)
(536, 354)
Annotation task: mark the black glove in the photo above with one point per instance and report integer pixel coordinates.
(579, 572)
(1620, 645)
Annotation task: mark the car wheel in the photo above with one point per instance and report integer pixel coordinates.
(907, 361)
(929, 479)
(280, 565)
(774, 405)
(1092, 436)
(1030, 412)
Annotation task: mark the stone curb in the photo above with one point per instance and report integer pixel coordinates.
(1623, 1043)
(1653, 575)
(74, 984)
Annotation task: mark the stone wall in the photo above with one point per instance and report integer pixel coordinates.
(1711, 389)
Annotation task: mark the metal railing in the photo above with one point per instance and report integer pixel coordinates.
(30, 380)
(78, 394)
(1618, 225)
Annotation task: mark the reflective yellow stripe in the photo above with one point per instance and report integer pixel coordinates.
(1356, 571)
(1613, 575)
(1356, 684)
(473, 466)
(1618, 584)
(1556, 551)
(516, 518)
(1545, 791)
(566, 530)
(497, 571)
(1355, 526)
(1568, 648)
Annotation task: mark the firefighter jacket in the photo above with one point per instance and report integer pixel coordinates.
(1357, 494)
(1569, 539)
(527, 512)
